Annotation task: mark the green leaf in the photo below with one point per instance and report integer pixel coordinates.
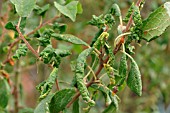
(109, 52)
(4, 93)
(60, 100)
(69, 10)
(109, 20)
(62, 53)
(53, 56)
(122, 69)
(113, 107)
(11, 25)
(24, 7)
(46, 86)
(96, 36)
(76, 106)
(41, 10)
(129, 13)
(21, 51)
(79, 8)
(61, 28)
(43, 106)
(44, 37)
(69, 38)
(134, 78)
(81, 60)
(115, 10)
(136, 31)
(97, 21)
(157, 22)
(106, 92)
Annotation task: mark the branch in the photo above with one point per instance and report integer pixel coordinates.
(25, 41)
(101, 64)
(32, 32)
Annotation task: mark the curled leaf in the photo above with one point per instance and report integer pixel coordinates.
(115, 10)
(46, 86)
(106, 92)
(79, 75)
(21, 51)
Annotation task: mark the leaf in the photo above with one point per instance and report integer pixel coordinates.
(101, 40)
(43, 107)
(79, 8)
(115, 10)
(79, 75)
(46, 86)
(129, 13)
(69, 10)
(21, 51)
(109, 52)
(69, 38)
(109, 20)
(76, 106)
(41, 10)
(53, 56)
(62, 53)
(134, 78)
(44, 37)
(4, 93)
(122, 69)
(106, 92)
(24, 7)
(96, 37)
(11, 25)
(136, 31)
(61, 28)
(113, 107)
(60, 100)
(97, 21)
(157, 22)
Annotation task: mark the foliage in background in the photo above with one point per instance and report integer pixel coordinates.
(111, 48)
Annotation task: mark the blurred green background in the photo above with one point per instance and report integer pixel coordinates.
(153, 58)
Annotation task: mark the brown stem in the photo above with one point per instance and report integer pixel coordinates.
(57, 85)
(25, 41)
(10, 49)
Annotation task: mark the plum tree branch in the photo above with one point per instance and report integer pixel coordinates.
(101, 64)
